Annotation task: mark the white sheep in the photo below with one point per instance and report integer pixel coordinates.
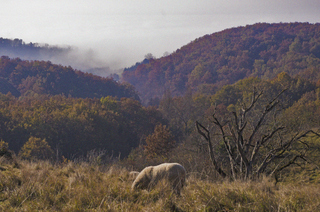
(133, 175)
(174, 173)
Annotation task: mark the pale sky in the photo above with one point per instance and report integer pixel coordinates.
(120, 33)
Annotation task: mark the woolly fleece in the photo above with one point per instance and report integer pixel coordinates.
(174, 173)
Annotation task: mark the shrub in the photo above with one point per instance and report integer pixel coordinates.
(36, 148)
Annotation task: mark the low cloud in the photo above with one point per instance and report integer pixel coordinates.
(86, 60)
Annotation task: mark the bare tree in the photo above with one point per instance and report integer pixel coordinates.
(254, 140)
(149, 56)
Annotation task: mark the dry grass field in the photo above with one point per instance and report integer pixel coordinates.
(42, 186)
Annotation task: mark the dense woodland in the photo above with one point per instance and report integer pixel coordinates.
(30, 78)
(55, 112)
(208, 63)
(72, 127)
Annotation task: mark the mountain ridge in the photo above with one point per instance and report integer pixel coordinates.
(208, 63)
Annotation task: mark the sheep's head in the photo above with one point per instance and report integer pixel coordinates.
(142, 181)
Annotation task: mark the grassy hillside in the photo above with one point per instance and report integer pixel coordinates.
(212, 61)
(88, 186)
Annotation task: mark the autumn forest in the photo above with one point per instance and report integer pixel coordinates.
(265, 76)
(240, 104)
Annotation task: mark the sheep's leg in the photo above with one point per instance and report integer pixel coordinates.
(177, 184)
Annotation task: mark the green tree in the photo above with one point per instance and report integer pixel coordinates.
(110, 102)
(36, 148)
(195, 77)
(4, 150)
(4, 145)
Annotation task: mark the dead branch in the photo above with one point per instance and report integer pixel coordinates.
(206, 135)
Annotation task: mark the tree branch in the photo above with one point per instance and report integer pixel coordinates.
(206, 135)
(261, 142)
(283, 149)
(267, 109)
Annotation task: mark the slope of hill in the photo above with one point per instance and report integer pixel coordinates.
(212, 61)
(40, 77)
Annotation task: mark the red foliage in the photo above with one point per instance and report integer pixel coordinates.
(229, 56)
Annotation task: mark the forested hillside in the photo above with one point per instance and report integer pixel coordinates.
(264, 76)
(239, 109)
(30, 51)
(212, 61)
(30, 78)
(82, 59)
(71, 127)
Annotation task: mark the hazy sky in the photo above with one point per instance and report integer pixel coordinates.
(120, 32)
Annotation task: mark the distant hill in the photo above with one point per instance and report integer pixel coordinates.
(80, 59)
(31, 51)
(30, 78)
(212, 61)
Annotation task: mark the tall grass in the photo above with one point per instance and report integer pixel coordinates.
(84, 186)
